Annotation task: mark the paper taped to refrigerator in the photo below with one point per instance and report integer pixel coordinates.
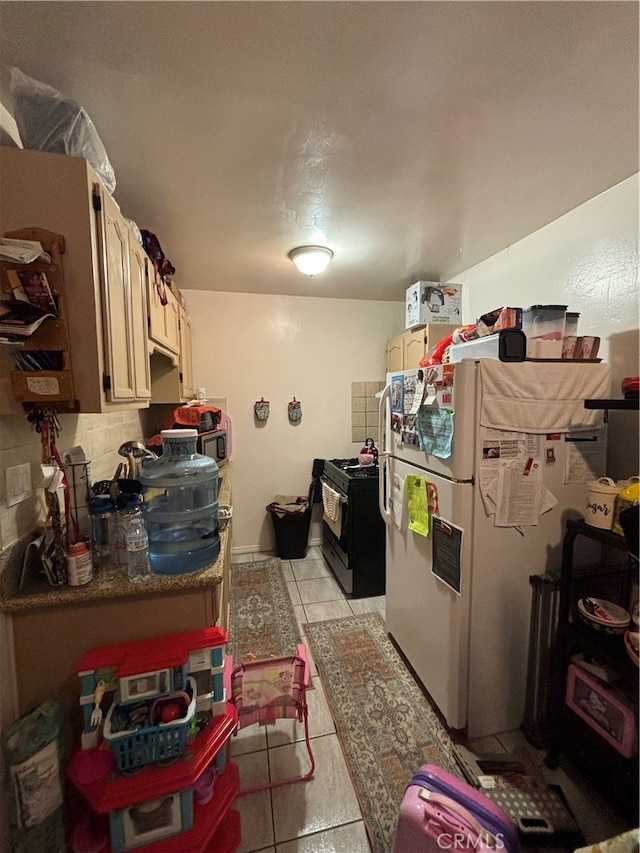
(447, 553)
(435, 431)
(397, 500)
(519, 493)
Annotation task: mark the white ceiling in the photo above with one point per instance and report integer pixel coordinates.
(412, 138)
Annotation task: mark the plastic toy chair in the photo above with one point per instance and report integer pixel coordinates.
(267, 690)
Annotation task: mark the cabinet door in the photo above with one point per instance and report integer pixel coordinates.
(186, 358)
(157, 329)
(413, 347)
(163, 319)
(172, 309)
(138, 269)
(394, 354)
(119, 379)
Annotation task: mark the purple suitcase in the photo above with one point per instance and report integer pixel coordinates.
(440, 813)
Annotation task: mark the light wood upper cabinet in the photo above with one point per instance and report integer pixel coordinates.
(139, 269)
(164, 319)
(404, 351)
(103, 272)
(394, 354)
(186, 357)
(172, 378)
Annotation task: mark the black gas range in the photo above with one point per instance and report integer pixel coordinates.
(355, 548)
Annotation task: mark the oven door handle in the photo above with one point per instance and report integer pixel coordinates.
(384, 421)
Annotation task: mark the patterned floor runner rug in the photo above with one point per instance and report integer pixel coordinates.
(386, 725)
(262, 621)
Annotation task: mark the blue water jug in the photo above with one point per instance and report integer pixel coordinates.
(180, 506)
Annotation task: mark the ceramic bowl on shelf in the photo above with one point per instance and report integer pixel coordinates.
(632, 645)
(604, 616)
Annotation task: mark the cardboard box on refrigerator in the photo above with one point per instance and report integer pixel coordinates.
(433, 302)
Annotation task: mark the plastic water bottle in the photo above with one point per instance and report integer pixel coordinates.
(103, 551)
(137, 539)
(180, 507)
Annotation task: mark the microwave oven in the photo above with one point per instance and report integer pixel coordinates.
(214, 443)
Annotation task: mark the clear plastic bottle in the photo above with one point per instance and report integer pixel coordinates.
(103, 551)
(127, 506)
(137, 539)
(180, 507)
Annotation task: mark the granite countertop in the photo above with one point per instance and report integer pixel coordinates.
(38, 593)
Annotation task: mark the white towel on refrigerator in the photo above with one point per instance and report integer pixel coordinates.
(332, 508)
(538, 398)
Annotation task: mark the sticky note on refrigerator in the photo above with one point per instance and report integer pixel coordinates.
(417, 504)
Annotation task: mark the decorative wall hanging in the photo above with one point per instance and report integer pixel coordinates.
(295, 411)
(261, 409)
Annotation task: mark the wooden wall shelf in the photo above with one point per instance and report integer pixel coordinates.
(51, 339)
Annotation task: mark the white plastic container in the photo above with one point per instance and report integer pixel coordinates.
(79, 565)
(600, 504)
(544, 327)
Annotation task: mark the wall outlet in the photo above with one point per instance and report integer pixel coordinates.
(18, 483)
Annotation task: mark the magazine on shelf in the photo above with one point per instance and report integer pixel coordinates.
(33, 287)
(21, 251)
(21, 319)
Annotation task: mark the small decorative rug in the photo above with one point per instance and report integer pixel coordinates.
(262, 621)
(385, 723)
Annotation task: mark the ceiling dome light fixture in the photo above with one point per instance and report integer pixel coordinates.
(311, 260)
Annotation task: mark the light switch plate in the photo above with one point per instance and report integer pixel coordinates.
(18, 483)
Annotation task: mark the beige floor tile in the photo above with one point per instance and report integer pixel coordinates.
(242, 558)
(287, 571)
(319, 717)
(301, 615)
(251, 739)
(305, 570)
(292, 586)
(319, 589)
(313, 667)
(255, 809)
(326, 801)
(368, 605)
(327, 610)
(351, 838)
(314, 553)
(263, 555)
(486, 744)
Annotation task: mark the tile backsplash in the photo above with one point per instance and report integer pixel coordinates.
(99, 435)
(364, 410)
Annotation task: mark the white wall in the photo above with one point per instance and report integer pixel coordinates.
(246, 347)
(588, 260)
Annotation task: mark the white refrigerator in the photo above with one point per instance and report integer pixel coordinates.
(458, 599)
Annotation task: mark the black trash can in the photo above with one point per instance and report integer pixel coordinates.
(291, 519)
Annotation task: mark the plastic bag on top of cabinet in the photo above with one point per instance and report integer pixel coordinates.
(49, 121)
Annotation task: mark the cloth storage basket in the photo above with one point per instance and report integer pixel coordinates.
(133, 750)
